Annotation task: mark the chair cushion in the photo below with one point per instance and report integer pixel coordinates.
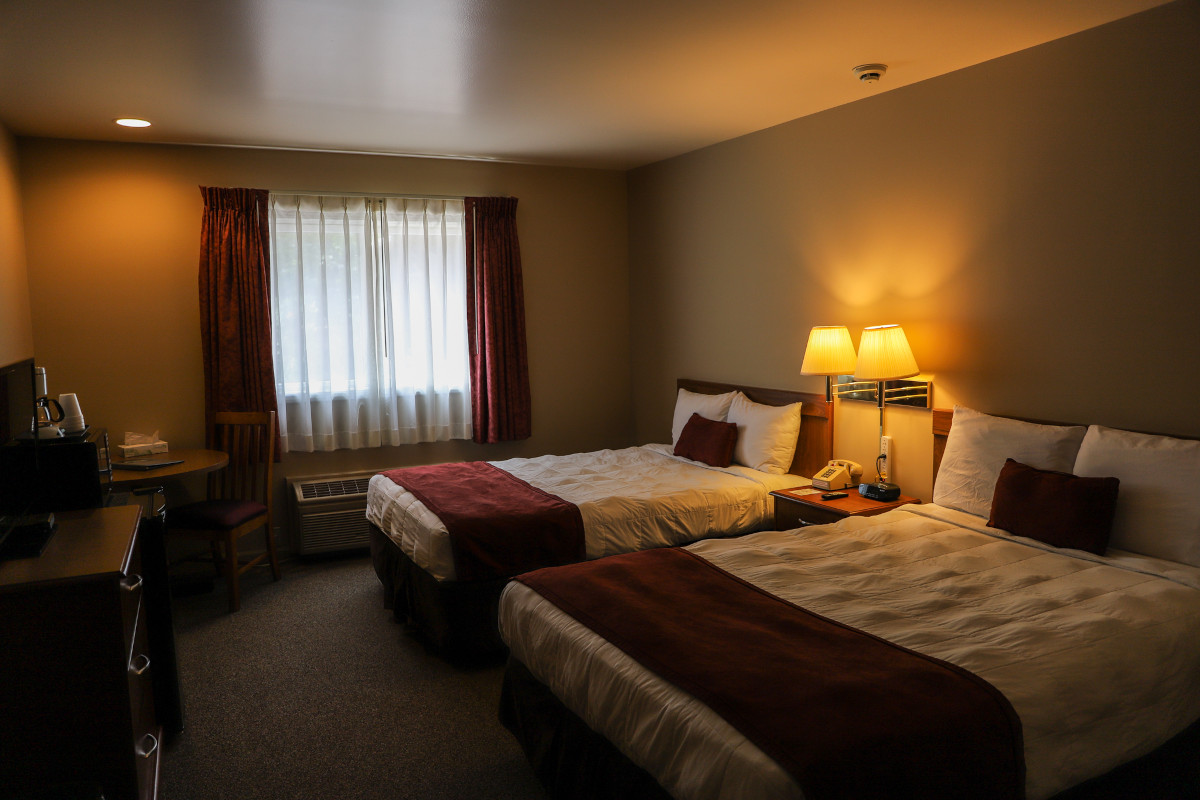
(214, 514)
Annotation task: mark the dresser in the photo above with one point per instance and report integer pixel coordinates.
(77, 706)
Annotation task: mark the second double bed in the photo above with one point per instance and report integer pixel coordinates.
(628, 500)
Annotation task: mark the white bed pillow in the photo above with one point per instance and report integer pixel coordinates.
(710, 406)
(766, 439)
(1158, 506)
(976, 449)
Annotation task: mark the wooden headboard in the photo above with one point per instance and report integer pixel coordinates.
(942, 420)
(814, 447)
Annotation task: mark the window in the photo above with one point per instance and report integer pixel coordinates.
(369, 321)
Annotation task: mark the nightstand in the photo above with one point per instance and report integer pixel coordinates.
(796, 508)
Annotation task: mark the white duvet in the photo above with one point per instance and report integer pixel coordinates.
(630, 499)
(1100, 657)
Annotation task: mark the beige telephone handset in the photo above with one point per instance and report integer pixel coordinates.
(839, 474)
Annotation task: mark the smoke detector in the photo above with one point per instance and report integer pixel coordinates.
(869, 73)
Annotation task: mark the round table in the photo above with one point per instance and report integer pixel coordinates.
(192, 462)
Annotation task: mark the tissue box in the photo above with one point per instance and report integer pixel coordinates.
(149, 449)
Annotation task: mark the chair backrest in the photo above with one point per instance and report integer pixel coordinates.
(249, 439)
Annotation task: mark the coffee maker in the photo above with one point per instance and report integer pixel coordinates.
(49, 411)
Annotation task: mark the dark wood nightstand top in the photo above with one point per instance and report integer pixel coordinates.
(853, 504)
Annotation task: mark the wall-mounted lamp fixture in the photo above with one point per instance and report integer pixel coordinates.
(884, 355)
(882, 370)
(830, 353)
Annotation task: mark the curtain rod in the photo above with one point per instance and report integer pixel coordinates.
(371, 194)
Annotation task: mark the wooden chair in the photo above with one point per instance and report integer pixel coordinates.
(239, 497)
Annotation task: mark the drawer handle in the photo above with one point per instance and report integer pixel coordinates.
(144, 661)
(132, 583)
(144, 750)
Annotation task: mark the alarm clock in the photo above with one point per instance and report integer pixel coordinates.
(879, 491)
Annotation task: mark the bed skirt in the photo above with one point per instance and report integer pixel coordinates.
(571, 760)
(457, 618)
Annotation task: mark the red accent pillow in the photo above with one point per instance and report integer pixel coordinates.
(707, 440)
(1055, 507)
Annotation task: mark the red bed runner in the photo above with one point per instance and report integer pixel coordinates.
(499, 525)
(846, 713)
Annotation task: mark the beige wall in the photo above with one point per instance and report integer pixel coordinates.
(16, 328)
(113, 234)
(1031, 221)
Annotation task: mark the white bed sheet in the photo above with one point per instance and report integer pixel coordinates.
(1099, 656)
(630, 499)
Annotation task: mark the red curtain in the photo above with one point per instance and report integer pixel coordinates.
(235, 304)
(500, 404)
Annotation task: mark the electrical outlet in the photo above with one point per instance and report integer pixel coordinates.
(885, 446)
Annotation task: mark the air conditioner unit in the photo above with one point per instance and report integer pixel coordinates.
(329, 512)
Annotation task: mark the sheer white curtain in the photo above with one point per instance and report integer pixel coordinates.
(369, 321)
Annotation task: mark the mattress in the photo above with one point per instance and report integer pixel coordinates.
(630, 499)
(1098, 655)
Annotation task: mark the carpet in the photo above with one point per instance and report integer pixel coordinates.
(312, 690)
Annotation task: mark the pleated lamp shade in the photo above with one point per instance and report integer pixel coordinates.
(884, 355)
(829, 351)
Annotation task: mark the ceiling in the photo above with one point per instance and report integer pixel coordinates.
(600, 83)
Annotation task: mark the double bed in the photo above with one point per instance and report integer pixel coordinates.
(815, 670)
(627, 500)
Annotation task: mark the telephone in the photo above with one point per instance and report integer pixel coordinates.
(838, 474)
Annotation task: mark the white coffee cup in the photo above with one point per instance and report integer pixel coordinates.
(70, 405)
(72, 421)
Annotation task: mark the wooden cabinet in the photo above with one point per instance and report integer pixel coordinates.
(797, 508)
(76, 695)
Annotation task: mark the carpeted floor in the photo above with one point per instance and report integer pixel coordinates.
(311, 690)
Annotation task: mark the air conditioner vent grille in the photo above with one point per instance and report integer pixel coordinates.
(328, 512)
(334, 488)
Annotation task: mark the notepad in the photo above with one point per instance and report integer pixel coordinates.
(146, 463)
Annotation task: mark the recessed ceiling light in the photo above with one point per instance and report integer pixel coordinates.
(129, 122)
